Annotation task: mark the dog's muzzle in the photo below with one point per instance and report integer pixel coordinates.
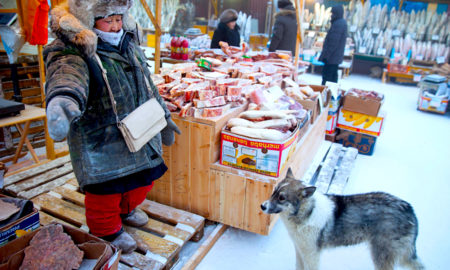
(267, 208)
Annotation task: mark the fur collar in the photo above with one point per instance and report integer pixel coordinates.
(285, 12)
(77, 28)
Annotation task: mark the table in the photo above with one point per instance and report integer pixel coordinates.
(25, 118)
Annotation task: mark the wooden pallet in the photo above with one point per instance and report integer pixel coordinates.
(54, 191)
(331, 168)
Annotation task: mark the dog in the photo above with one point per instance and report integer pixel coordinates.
(316, 221)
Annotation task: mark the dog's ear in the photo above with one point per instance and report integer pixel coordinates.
(308, 192)
(290, 174)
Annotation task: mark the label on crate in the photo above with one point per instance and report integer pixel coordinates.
(435, 102)
(435, 37)
(417, 77)
(440, 60)
(381, 51)
(396, 33)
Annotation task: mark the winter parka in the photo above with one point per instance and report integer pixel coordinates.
(284, 31)
(97, 148)
(334, 44)
(224, 33)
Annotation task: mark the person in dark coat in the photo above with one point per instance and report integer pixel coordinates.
(285, 28)
(115, 180)
(334, 45)
(227, 30)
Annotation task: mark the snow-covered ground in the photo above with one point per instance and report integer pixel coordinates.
(411, 160)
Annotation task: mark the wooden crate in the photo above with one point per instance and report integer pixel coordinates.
(186, 184)
(235, 195)
(54, 191)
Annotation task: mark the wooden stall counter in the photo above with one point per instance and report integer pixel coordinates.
(185, 184)
(197, 183)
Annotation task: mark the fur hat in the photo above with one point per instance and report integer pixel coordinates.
(285, 4)
(74, 20)
(228, 15)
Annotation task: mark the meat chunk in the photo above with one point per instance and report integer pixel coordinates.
(51, 248)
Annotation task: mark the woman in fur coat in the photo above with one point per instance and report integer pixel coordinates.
(285, 28)
(114, 179)
(227, 30)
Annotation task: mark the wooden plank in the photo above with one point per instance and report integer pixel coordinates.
(232, 200)
(31, 131)
(69, 193)
(180, 167)
(45, 187)
(23, 175)
(156, 245)
(318, 159)
(140, 261)
(25, 83)
(254, 219)
(14, 169)
(172, 215)
(200, 145)
(20, 71)
(61, 209)
(73, 182)
(204, 248)
(40, 179)
(46, 219)
(343, 172)
(29, 92)
(165, 230)
(328, 167)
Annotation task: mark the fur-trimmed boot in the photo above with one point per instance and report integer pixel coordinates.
(136, 218)
(125, 242)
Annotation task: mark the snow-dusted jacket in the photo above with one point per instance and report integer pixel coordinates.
(334, 44)
(284, 31)
(97, 148)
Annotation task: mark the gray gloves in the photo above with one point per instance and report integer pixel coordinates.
(60, 113)
(167, 134)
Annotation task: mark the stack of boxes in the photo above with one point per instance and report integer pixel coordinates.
(359, 120)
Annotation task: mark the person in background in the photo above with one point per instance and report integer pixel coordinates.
(115, 180)
(334, 45)
(285, 28)
(227, 30)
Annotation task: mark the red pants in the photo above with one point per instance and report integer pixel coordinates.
(103, 211)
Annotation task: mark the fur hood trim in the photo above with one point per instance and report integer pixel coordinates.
(285, 12)
(74, 20)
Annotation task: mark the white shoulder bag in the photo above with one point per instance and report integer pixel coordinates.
(142, 124)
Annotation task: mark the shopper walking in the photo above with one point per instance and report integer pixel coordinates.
(334, 45)
(285, 28)
(114, 179)
(227, 30)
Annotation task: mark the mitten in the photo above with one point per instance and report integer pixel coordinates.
(167, 134)
(60, 113)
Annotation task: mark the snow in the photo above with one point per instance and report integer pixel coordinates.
(411, 161)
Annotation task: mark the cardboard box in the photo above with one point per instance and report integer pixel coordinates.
(364, 143)
(106, 255)
(362, 123)
(361, 105)
(316, 105)
(331, 123)
(259, 156)
(19, 227)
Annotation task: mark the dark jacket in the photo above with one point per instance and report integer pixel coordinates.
(334, 44)
(97, 148)
(284, 31)
(224, 33)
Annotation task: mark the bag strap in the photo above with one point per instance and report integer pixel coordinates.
(111, 96)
